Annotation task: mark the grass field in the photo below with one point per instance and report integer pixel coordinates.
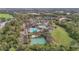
(5, 16)
(61, 36)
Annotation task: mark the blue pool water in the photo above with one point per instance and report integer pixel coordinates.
(38, 40)
(33, 29)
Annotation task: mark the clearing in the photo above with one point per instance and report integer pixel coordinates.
(5, 16)
(61, 36)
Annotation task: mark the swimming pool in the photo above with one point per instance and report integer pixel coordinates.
(38, 40)
(33, 30)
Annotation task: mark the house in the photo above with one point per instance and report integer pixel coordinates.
(42, 27)
(2, 24)
(63, 18)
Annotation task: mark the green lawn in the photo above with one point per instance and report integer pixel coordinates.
(61, 36)
(5, 16)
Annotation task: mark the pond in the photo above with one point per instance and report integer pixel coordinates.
(38, 40)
